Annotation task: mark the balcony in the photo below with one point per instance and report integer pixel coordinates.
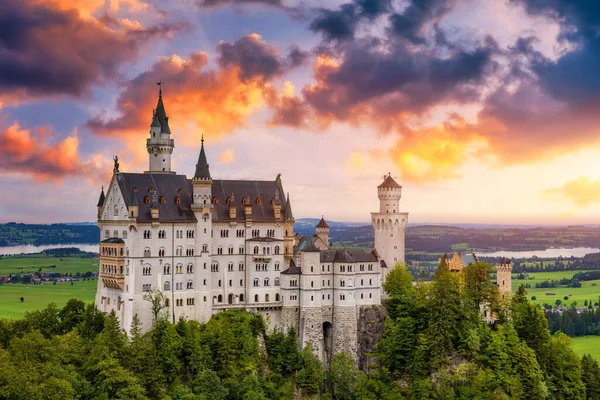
(273, 305)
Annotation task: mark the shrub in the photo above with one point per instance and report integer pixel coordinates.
(533, 298)
(566, 297)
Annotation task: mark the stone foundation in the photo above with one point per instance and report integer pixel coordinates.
(370, 332)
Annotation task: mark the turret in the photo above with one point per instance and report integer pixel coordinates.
(101, 202)
(202, 182)
(159, 144)
(389, 193)
(504, 277)
(323, 231)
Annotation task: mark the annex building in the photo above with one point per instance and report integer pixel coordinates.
(211, 245)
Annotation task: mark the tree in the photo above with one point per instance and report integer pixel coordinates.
(396, 346)
(479, 288)
(342, 376)
(563, 369)
(158, 303)
(558, 302)
(590, 376)
(22, 299)
(310, 378)
(399, 287)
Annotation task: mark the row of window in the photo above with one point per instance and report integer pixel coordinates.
(265, 282)
(111, 269)
(115, 234)
(111, 251)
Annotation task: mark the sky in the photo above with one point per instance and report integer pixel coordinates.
(484, 111)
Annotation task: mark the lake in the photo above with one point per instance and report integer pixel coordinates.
(27, 249)
(548, 253)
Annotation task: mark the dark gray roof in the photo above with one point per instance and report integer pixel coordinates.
(293, 269)
(133, 198)
(287, 212)
(348, 256)
(161, 115)
(113, 240)
(389, 182)
(102, 197)
(166, 186)
(252, 191)
(264, 239)
(467, 259)
(155, 119)
(202, 171)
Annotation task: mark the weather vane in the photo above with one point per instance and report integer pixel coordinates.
(160, 83)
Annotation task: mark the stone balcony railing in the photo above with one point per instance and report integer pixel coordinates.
(269, 305)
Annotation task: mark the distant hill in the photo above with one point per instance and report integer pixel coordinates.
(13, 233)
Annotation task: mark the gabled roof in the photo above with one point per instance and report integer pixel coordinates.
(202, 171)
(252, 191)
(293, 269)
(389, 182)
(322, 223)
(347, 256)
(307, 243)
(102, 198)
(113, 240)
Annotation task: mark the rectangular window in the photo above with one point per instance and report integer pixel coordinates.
(124, 235)
(107, 234)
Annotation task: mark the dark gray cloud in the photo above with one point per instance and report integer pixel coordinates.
(46, 51)
(255, 58)
(296, 57)
(573, 77)
(410, 23)
(337, 24)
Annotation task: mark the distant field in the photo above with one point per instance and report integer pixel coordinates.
(585, 292)
(39, 296)
(587, 345)
(28, 264)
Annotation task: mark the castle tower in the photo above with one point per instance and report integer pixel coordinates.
(389, 225)
(202, 208)
(159, 144)
(504, 278)
(323, 232)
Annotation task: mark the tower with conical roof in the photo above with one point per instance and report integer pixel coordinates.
(159, 144)
(323, 232)
(389, 225)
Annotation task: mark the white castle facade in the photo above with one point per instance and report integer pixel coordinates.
(212, 245)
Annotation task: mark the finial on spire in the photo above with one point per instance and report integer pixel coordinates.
(202, 140)
(159, 83)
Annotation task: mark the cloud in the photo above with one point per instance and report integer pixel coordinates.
(49, 48)
(24, 151)
(198, 99)
(410, 23)
(221, 3)
(582, 191)
(254, 58)
(227, 157)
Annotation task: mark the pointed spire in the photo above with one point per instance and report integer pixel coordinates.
(155, 121)
(202, 170)
(102, 197)
(287, 214)
(161, 113)
(322, 223)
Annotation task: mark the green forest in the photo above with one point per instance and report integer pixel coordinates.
(435, 345)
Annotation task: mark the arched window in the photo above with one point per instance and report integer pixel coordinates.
(230, 266)
(167, 286)
(266, 281)
(266, 298)
(276, 283)
(277, 297)
(220, 298)
(214, 267)
(147, 199)
(167, 269)
(205, 248)
(256, 282)
(256, 298)
(230, 299)
(241, 297)
(146, 252)
(116, 210)
(190, 268)
(190, 284)
(255, 249)
(276, 249)
(177, 200)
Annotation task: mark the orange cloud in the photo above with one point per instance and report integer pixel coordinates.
(436, 153)
(227, 157)
(24, 151)
(198, 100)
(582, 191)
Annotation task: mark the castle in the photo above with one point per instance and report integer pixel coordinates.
(211, 245)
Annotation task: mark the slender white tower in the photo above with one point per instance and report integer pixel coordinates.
(389, 225)
(159, 144)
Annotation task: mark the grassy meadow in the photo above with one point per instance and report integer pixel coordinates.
(39, 296)
(586, 292)
(31, 263)
(587, 345)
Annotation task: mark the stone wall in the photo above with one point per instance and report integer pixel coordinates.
(370, 332)
(289, 319)
(272, 319)
(345, 332)
(311, 326)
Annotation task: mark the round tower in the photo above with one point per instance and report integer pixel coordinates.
(159, 144)
(504, 278)
(389, 225)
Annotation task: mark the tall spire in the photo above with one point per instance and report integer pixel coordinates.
(101, 199)
(161, 113)
(202, 171)
(287, 213)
